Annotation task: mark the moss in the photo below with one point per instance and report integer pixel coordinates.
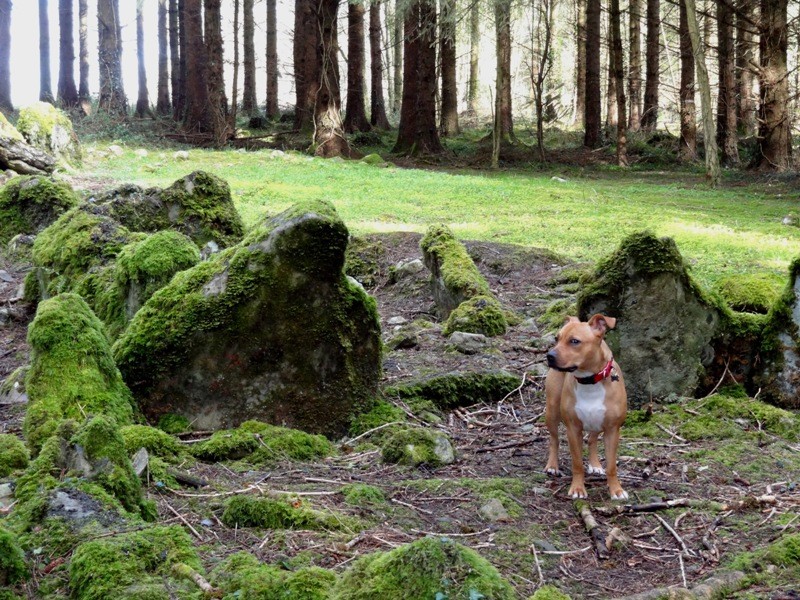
(12, 560)
(549, 592)
(241, 575)
(455, 266)
(753, 293)
(428, 568)
(458, 389)
(155, 441)
(283, 443)
(512, 506)
(274, 513)
(775, 566)
(381, 413)
(72, 371)
(418, 446)
(363, 260)
(227, 444)
(50, 129)
(360, 494)
(13, 454)
(28, 204)
(105, 568)
(174, 424)
(479, 314)
(556, 313)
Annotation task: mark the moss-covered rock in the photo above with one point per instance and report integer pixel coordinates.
(28, 204)
(381, 413)
(418, 446)
(198, 205)
(13, 454)
(49, 129)
(226, 444)
(363, 260)
(428, 568)
(114, 567)
(480, 314)
(242, 575)
(72, 371)
(12, 560)
(279, 513)
(270, 329)
(361, 494)
(457, 389)
(549, 592)
(753, 293)
(665, 323)
(155, 441)
(174, 424)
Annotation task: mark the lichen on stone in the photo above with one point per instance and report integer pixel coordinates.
(13, 454)
(28, 204)
(479, 314)
(155, 441)
(418, 446)
(46, 127)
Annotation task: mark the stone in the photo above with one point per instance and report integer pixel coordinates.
(405, 269)
(141, 153)
(5, 276)
(270, 329)
(397, 321)
(116, 150)
(12, 389)
(419, 446)
(140, 461)
(404, 338)
(468, 343)
(28, 204)
(494, 511)
(49, 129)
(181, 155)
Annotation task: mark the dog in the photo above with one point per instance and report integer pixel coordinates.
(585, 389)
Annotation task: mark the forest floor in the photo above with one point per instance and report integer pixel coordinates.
(501, 449)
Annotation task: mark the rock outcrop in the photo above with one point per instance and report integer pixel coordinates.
(49, 129)
(29, 204)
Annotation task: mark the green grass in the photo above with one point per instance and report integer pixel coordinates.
(720, 232)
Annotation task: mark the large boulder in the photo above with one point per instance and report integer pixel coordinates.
(666, 325)
(18, 155)
(49, 129)
(29, 204)
(270, 329)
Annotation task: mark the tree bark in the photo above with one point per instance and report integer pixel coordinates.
(611, 92)
(179, 108)
(619, 78)
(687, 149)
(635, 66)
(399, 47)
(163, 105)
(649, 118)
(235, 92)
(198, 114)
(306, 65)
(745, 75)
(592, 119)
(45, 88)
(377, 111)
(355, 115)
(175, 58)
(447, 58)
(217, 101)
(473, 87)
(502, 16)
(580, 62)
(329, 139)
(83, 63)
(67, 92)
(142, 100)
(272, 110)
(5, 57)
(540, 69)
(418, 133)
(727, 138)
(249, 101)
(112, 92)
(774, 131)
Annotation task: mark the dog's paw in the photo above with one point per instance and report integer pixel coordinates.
(620, 495)
(553, 471)
(578, 492)
(591, 470)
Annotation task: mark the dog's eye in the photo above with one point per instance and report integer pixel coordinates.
(574, 341)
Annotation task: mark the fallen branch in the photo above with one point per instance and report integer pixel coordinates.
(722, 583)
(674, 534)
(187, 572)
(504, 446)
(746, 502)
(185, 522)
(592, 528)
(411, 506)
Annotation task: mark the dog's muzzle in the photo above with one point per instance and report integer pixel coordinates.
(552, 362)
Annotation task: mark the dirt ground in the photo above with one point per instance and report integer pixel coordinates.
(501, 446)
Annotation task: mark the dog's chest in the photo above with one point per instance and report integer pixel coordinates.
(590, 406)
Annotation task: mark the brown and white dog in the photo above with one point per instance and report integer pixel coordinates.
(586, 391)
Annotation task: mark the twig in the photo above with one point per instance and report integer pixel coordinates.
(407, 505)
(514, 391)
(185, 522)
(369, 431)
(670, 433)
(504, 446)
(187, 572)
(566, 552)
(683, 571)
(460, 535)
(592, 528)
(674, 534)
(538, 566)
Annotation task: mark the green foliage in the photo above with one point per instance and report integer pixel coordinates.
(173, 424)
(13, 454)
(282, 443)
(457, 389)
(753, 293)
(433, 567)
(455, 266)
(416, 446)
(72, 371)
(556, 313)
(274, 513)
(30, 203)
(479, 314)
(360, 494)
(381, 413)
(12, 560)
(155, 441)
(549, 592)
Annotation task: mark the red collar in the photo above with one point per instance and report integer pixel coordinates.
(598, 377)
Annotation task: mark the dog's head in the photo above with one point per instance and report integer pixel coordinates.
(579, 343)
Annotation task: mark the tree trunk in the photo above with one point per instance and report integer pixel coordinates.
(502, 17)
(235, 85)
(249, 101)
(45, 88)
(687, 150)
(540, 68)
(163, 106)
(635, 66)
(198, 114)
(272, 110)
(112, 93)
(611, 92)
(377, 111)
(399, 47)
(594, 107)
(217, 101)
(6, 105)
(175, 59)
(652, 78)
(179, 108)
(698, 51)
(447, 57)
(83, 63)
(67, 92)
(142, 100)
(774, 131)
(306, 65)
(727, 138)
(745, 75)
(580, 62)
(355, 115)
(619, 78)
(418, 133)
(329, 139)
(473, 88)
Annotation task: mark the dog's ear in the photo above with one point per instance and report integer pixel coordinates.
(601, 323)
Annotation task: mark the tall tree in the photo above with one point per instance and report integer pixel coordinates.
(473, 85)
(774, 131)
(179, 106)
(687, 148)
(580, 61)
(398, 46)
(272, 110)
(306, 64)
(45, 88)
(112, 92)
(377, 117)
(215, 79)
(249, 101)
(594, 107)
(67, 91)
(355, 115)
(727, 138)
(618, 72)
(635, 65)
(235, 85)
(142, 99)
(418, 133)
(83, 52)
(611, 81)
(745, 73)
(540, 61)
(5, 57)
(652, 59)
(163, 105)
(198, 114)
(502, 19)
(175, 60)
(447, 60)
